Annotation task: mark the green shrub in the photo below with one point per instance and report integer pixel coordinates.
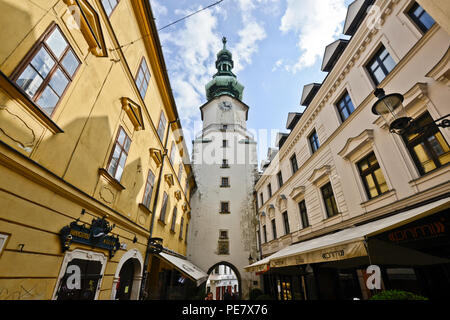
(397, 295)
(264, 297)
(255, 293)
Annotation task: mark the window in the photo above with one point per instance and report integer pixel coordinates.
(294, 164)
(314, 141)
(225, 182)
(328, 198)
(181, 227)
(174, 219)
(428, 148)
(149, 189)
(187, 228)
(269, 189)
(119, 155)
(143, 78)
(262, 198)
(45, 76)
(225, 163)
(224, 207)
(224, 127)
(372, 177)
(274, 229)
(265, 233)
(224, 143)
(162, 126)
(223, 234)
(380, 65)
(303, 214)
(280, 179)
(109, 5)
(345, 106)
(286, 223)
(180, 171)
(162, 215)
(420, 17)
(172, 153)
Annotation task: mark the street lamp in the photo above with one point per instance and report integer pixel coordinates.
(155, 245)
(391, 108)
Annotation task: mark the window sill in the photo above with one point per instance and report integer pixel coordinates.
(144, 208)
(335, 217)
(116, 184)
(16, 93)
(430, 175)
(162, 222)
(224, 167)
(225, 186)
(225, 212)
(380, 197)
(172, 231)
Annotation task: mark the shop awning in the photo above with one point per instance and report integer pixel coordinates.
(344, 244)
(186, 267)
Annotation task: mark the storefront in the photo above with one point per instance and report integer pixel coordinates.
(173, 277)
(411, 248)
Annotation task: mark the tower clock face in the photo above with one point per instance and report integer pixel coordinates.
(225, 105)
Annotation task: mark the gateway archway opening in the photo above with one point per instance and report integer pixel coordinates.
(223, 282)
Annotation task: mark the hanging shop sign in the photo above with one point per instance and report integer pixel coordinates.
(96, 235)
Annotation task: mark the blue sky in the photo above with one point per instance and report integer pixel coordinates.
(277, 48)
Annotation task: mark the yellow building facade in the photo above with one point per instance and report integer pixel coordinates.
(92, 158)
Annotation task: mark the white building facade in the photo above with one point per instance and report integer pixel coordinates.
(343, 186)
(225, 164)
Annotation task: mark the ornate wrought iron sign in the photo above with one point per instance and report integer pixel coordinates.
(96, 235)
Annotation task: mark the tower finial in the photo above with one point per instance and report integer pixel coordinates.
(224, 40)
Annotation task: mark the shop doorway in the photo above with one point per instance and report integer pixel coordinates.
(224, 282)
(125, 284)
(89, 272)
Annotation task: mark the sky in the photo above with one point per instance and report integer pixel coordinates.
(277, 48)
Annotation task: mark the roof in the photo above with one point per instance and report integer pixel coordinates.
(332, 53)
(355, 15)
(309, 91)
(292, 119)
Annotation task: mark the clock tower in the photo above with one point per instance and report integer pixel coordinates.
(224, 162)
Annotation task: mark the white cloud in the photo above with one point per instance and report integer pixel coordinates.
(158, 9)
(247, 46)
(317, 24)
(191, 56)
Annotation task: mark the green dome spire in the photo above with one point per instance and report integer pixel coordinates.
(224, 81)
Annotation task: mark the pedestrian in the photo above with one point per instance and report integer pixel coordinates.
(209, 296)
(227, 295)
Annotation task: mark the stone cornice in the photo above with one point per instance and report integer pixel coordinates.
(354, 143)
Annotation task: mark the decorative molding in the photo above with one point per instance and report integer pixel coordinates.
(110, 179)
(169, 179)
(354, 143)
(107, 195)
(177, 195)
(281, 202)
(133, 111)
(441, 71)
(90, 26)
(271, 211)
(156, 155)
(297, 192)
(417, 92)
(16, 129)
(319, 173)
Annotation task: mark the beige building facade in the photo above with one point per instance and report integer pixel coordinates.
(340, 168)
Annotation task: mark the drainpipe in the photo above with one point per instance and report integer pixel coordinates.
(147, 255)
